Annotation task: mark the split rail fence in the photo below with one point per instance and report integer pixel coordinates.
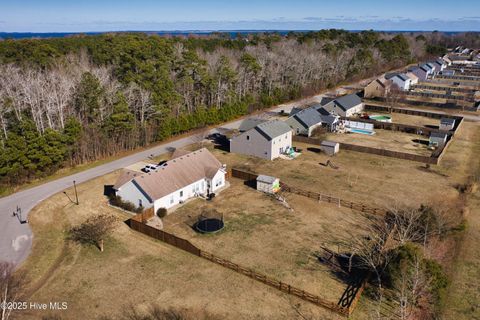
(137, 223)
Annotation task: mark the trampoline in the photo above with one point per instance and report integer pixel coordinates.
(209, 225)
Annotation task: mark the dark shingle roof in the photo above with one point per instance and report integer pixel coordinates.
(250, 123)
(390, 75)
(295, 110)
(349, 101)
(447, 121)
(308, 117)
(403, 76)
(273, 129)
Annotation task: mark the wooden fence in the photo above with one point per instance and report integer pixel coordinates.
(419, 130)
(358, 206)
(136, 224)
(458, 77)
(427, 114)
(284, 287)
(444, 88)
(247, 176)
(438, 96)
(446, 105)
(371, 150)
(244, 175)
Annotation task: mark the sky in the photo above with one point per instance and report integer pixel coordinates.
(160, 15)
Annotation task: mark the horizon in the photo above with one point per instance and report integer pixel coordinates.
(55, 16)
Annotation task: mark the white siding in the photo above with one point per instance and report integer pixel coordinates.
(183, 194)
(218, 181)
(335, 109)
(130, 192)
(254, 144)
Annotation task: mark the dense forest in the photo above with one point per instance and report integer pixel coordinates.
(67, 101)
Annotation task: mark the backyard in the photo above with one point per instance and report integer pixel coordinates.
(262, 234)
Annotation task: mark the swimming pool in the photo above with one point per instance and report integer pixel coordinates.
(381, 118)
(361, 131)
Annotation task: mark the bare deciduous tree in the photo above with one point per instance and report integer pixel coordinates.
(94, 230)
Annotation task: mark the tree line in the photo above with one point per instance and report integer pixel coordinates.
(72, 100)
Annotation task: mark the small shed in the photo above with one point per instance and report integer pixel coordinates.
(447, 124)
(438, 139)
(268, 184)
(330, 147)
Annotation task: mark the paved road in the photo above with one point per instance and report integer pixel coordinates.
(16, 237)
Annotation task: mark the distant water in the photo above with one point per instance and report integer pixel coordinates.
(231, 33)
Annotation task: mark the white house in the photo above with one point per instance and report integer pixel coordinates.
(194, 174)
(413, 77)
(402, 81)
(345, 106)
(440, 64)
(267, 140)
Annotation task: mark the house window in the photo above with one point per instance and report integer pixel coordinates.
(181, 193)
(140, 203)
(248, 137)
(171, 199)
(286, 136)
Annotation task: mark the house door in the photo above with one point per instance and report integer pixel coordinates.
(281, 150)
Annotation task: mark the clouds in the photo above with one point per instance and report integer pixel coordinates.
(395, 23)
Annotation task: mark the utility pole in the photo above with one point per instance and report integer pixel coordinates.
(76, 195)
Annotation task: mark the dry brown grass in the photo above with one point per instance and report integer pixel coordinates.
(385, 139)
(136, 270)
(262, 234)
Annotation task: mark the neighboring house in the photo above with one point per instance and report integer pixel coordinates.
(197, 173)
(440, 64)
(305, 121)
(447, 124)
(433, 67)
(345, 106)
(438, 139)
(428, 68)
(420, 72)
(413, 78)
(447, 60)
(402, 81)
(267, 140)
(329, 120)
(379, 87)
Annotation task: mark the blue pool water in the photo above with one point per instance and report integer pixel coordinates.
(362, 131)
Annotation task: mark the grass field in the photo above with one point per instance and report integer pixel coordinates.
(385, 139)
(137, 271)
(262, 234)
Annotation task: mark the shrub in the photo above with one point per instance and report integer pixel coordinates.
(125, 205)
(438, 278)
(162, 212)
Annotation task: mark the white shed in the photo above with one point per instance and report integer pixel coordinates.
(330, 147)
(438, 139)
(268, 184)
(447, 124)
